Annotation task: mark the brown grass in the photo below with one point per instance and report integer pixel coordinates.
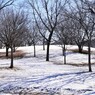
(83, 51)
(17, 54)
(77, 51)
(74, 64)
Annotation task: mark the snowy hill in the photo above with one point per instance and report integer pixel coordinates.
(35, 76)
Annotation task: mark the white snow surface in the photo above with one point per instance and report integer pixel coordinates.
(34, 75)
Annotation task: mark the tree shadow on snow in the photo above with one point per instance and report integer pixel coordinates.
(54, 76)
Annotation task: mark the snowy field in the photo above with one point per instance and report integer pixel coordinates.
(35, 76)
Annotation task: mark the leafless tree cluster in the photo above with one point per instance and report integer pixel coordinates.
(82, 25)
(12, 30)
(33, 36)
(48, 16)
(72, 21)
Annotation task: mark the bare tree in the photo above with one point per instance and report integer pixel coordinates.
(87, 22)
(12, 29)
(41, 32)
(62, 36)
(3, 4)
(79, 36)
(49, 16)
(88, 25)
(34, 36)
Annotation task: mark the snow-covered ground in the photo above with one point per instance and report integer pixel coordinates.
(35, 76)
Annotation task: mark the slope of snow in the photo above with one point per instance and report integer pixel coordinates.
(34, 75)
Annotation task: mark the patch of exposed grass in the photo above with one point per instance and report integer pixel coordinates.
(77, 51)
(80, 64)
(16, 54)
(83, 51)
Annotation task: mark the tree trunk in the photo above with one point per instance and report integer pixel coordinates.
(80, 48)
(43, 43)
(48, 45)
(7, 53)
(64, 53)
(89, 55)
(62, 50)
(34, 50)
(11, 66)
(47, 55)
(14, 49)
